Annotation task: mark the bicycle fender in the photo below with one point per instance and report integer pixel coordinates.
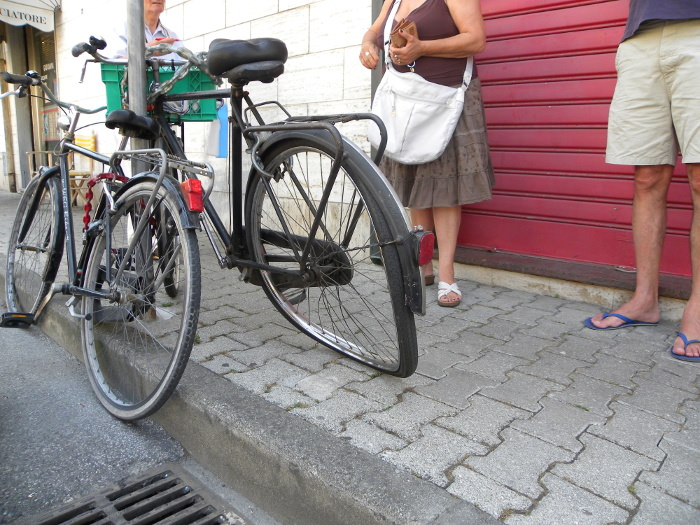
(190, 220)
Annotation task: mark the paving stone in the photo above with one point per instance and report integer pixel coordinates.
(224, 364)
(450, 328)
(524, 346)
(456, 389)
(287, 398)
(614, 370)
(429, 340)
(663, 401)
(657, 507)
(223, 327)
(476, 293)
(522, 391)
(570, 315)
(547, 329)
(579, 507)
(509, 300)
(276, 372)
(435, 362)
(679, 475)
(606, 469)
(471, 345)
(219, 345)
(493, 365)
(259, 336)
(638, 430)
(304, 342)
(519, 461)
(483, 420)
(525, 316)
(676, 367)
(589, 394)
(259, 355)
(672, 378)
(313, 360)
(370, 438)
(576, 348)
(207, 318)
(407, 418)
(386, 389)
(635, 350)
(323, 385)
(485, 493)
(481, 314)
(555, 367)
(559, 424)
(434, 453)
(547, 303)
(502, 329)
(333, 413)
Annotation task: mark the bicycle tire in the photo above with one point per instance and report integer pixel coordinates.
(136, 348)
(36, 245)
(347, 302)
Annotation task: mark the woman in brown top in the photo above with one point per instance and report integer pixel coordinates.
(449, 31)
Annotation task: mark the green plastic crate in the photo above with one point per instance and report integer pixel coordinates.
(199, 110)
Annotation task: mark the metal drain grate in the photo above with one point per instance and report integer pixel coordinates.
(164, 498)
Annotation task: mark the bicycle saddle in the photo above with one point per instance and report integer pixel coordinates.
(132, 125)
(243, 61)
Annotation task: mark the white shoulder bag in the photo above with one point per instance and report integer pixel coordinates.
(420, 116)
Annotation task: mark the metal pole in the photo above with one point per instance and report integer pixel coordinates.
(137, 62)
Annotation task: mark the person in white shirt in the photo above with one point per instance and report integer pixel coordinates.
(154, 32)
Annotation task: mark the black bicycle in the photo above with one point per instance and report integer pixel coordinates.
(136, 333)
(318, 228)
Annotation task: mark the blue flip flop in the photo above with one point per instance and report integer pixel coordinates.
(626, 321)
(686, 342)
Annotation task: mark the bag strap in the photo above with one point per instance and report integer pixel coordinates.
(468, 72)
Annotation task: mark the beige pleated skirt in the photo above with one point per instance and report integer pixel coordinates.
(463, 174)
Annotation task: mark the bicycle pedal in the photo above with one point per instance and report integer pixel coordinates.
(16, 320)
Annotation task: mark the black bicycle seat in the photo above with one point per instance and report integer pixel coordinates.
(243, 61)
(132, 125)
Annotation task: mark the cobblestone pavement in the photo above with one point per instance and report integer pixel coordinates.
(515, 407)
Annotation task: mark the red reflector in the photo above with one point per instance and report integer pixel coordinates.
(192, 191)
(426, 247)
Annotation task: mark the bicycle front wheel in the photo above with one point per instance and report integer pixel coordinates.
(36, 245)
(335, 270)
(136, 343)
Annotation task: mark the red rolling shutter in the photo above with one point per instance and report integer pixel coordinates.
(548, 75)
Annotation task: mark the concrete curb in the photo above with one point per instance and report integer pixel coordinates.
(295, 471)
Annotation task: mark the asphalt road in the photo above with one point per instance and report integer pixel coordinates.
(57, 444)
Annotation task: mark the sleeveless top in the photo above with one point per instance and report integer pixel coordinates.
(645, 10)
(433, 21)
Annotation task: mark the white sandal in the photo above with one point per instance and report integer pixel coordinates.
(445, 289)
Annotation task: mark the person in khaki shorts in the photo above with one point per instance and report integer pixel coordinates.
(655, 112)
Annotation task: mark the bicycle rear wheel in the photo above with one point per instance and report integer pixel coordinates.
(136, 345)
(333, 290)
(36, 245)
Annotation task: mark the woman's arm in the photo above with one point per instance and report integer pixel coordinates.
(369, 54)
(471, 39)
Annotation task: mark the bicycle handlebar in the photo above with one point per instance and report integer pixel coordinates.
(32, 78)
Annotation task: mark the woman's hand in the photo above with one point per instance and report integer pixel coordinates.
(403, 56)
(369, 55)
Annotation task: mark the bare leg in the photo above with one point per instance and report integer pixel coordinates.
(447, 221)
(648, 226)
(690, 322)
